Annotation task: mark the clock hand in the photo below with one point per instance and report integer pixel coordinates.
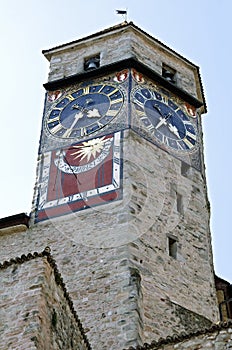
(91, 114)
(161, 122)
(77, 116)
(167, 116)
(174, 130)
(156, 106)
(89, 101)
(81, 108)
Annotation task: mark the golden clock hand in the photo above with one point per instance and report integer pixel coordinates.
(76, 106)
(161, 122)
(81, 108)
(77, 116)
(166, 117)
(156, 106)
(163, 118)
(174, 130)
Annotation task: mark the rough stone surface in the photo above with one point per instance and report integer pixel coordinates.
(34, 314)
(114, 258)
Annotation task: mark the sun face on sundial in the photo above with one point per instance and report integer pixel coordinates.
(89, 148)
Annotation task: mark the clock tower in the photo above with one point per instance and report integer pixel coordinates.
(121, 195)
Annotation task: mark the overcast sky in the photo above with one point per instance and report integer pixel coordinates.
(200, 30)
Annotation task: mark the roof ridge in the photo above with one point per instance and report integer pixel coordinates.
(89, 36)
(120, 26)
(176, 338)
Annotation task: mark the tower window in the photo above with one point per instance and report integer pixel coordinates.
(185, 169)
(91, 63)
(169, 73)
(179, 203)
(172, 247)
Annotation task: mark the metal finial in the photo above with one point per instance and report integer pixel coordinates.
(123, 13)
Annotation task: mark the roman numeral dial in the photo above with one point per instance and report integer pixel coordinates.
(82, 112)
(164, 119)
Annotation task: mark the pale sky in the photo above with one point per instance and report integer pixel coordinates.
(200, 30)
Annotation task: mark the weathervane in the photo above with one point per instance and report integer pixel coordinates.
(123, 13)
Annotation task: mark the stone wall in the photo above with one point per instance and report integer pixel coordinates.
(35, 312)
(114, 258)
(187, 280)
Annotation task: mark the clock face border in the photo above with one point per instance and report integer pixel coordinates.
(191, 156)
(165, 120)
(109, 117)
(56, 168)
(84, 111)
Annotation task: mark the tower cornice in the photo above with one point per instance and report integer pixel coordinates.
(117, 30)
(131, 62)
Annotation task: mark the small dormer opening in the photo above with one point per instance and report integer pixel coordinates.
(92, 62)
(169, 73)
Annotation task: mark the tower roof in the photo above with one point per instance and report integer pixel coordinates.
(118, 30)
(110, 30)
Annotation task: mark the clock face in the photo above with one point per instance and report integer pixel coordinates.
(165, 120)
(82, 112)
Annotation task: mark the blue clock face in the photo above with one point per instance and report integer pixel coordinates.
(164, 120)
(84, 111)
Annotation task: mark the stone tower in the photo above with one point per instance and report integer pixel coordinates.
(121, 194)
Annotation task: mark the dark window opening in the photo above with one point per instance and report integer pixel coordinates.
(92, 62)
(179, 203)
(225, 310)
(169, 74)
(172, 247)
(185, 169)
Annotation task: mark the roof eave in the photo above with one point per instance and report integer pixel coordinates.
(131, 62)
